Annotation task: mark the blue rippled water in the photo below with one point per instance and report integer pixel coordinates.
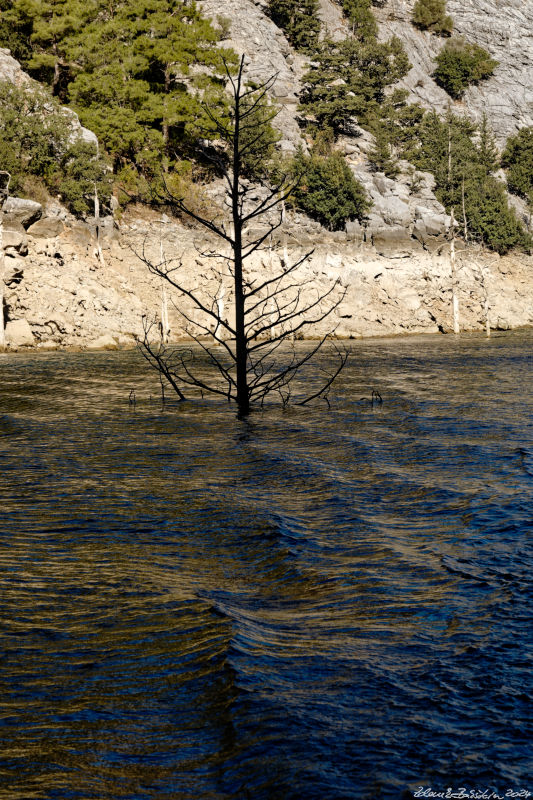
(306, 604)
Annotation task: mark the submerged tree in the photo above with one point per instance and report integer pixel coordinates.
(268, 311)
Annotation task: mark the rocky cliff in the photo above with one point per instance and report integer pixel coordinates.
(395, 268)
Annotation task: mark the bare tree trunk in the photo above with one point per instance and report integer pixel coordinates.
(465, 224)
(453, 264)
(165, 327)
(241, 342)
(99, 253)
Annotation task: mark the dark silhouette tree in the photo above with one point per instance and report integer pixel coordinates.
(252, 351)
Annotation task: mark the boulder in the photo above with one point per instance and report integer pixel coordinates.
(394, 242)
(46, 228)
(24, 211)
(19, 334)
(429, 241)
(354, 231)
(104, 342)
(13, 271)
(393, 210)
(14, 236)
(434, 224)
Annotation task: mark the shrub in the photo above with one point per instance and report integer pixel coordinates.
(460, 64)
(328, 191)
(430, 15)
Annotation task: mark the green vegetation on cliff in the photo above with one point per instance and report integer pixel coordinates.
(461, 64)
(36, 144)
(517, 158)
(430, 15)
(134, 71)
(348, 80)
(463, 160)
(327, 190)
(299, 21)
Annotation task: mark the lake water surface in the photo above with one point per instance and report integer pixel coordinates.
(307, 604)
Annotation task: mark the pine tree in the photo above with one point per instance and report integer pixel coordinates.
(362, 21)
(382, 157)
(54, 21)
(149, 62)
(299, 21)
(349, 78)
(517, 158)
(16, 26)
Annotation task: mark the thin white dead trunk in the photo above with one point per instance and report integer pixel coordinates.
(481, 272)
(99, 253)
(165, 327)
(285, 253)
(220, 311)
(453, 265)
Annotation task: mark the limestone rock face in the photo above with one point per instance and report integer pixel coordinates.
(504, 28)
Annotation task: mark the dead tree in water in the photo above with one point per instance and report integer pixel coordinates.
(247, 348)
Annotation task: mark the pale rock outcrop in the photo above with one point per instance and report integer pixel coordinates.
(104, 342)
(15, 238)
(504, 28)
(18, 333)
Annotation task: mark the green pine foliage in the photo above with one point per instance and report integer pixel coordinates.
(299, 20)
(430, 15)
(382, 157)
(328, 191)
(135, 71)
(16, 25)
(517, 159)
(463, 161)
(349, 79)
(36, 140)
(461, 64)
(362, 21)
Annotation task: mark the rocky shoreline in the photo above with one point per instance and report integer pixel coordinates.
(60, 294)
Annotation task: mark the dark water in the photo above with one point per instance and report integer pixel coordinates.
(306, 604)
